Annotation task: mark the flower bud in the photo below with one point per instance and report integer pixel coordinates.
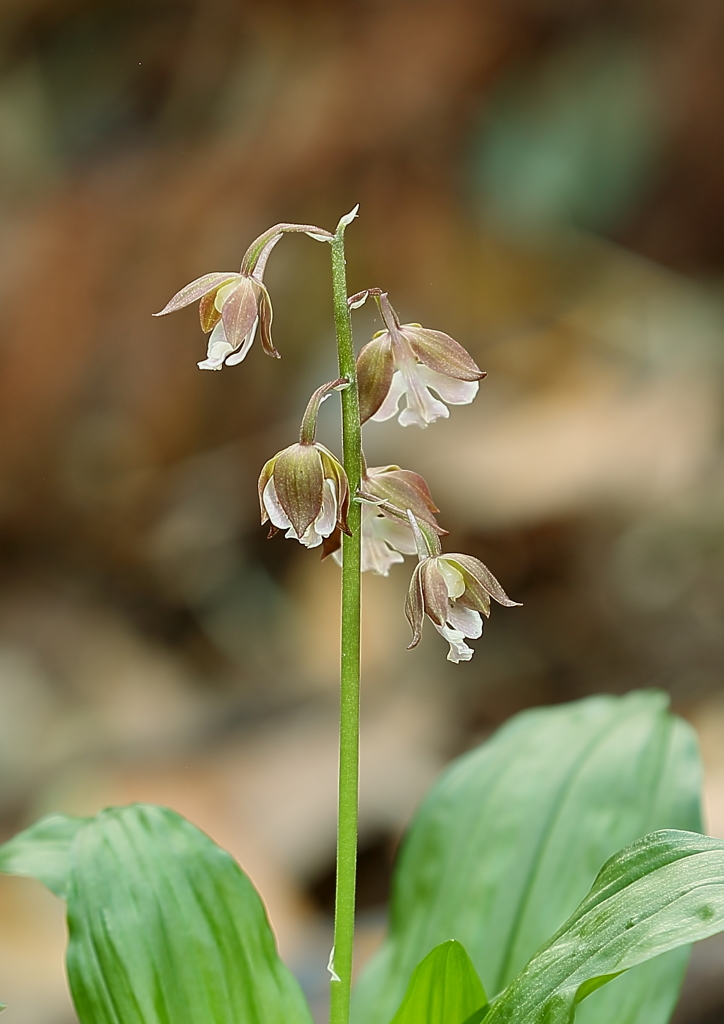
(412, 361)
(454, 592)
(232, 305)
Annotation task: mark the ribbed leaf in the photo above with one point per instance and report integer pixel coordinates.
(511, 837)
(659, 893)
(43, 851)
(164, 927)
(444, 989)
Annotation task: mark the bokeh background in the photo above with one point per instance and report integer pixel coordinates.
(540, 178)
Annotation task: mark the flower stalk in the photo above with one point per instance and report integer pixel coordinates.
(348, 794)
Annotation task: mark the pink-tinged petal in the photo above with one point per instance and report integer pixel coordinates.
(459, 650)
(467, 620)
(299, 480)
(217, 349)
(239, 312)
(402, 488)
(196, 290)
(389, 407)
(441, 353)
(434, 591)
(241, 353)
(414, 607)
(265, 323)
(476, 573)
(375, 369)
(451, 390)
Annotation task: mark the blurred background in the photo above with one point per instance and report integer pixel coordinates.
(539, 178)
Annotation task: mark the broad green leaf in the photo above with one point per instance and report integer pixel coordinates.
(42, 851)
(660, 892)
(165, 928)
(509, 840)
(444, 989)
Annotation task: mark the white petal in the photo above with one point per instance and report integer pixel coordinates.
(397, 535)
(432, 410)
(389, 407)
(377, 556)
(326, 519)
(240, 354)
(466, 620)
(450, 389)
(422, 406)
(453, 579)
(459, 650)
(274, 510)
(217, 349)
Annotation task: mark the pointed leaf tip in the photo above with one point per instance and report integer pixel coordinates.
(444, 989)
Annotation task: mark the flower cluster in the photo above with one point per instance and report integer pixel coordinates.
(304, 489)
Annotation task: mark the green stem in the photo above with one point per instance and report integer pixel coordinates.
(341, 984)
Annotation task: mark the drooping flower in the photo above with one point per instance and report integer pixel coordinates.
(304, 489)
(386, 493)
(411, 361)
(232, 305)
(454, 591)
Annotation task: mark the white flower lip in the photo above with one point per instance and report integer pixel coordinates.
(315, 533)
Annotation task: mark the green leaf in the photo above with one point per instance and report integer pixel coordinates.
(165, 928)
(511, 837)
(444, 989)
(42, 851)
(660, 892)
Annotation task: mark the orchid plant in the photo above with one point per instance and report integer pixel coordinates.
(497, 910)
